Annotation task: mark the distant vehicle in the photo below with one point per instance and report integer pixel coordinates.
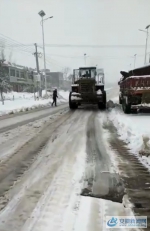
(135, 89)
(87, 88)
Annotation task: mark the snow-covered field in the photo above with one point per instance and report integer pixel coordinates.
(132, 128)
(15, 102)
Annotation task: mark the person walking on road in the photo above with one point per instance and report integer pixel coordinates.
(55, 97)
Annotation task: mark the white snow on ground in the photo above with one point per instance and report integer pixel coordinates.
(115, 99)
(61, 207)
(15, 102)
(104, 121)
(131, 128)
(58, 207)
(58, 173)
(63, 94)
(107, 89)
(14, 139)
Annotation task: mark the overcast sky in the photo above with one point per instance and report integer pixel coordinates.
(78, 22)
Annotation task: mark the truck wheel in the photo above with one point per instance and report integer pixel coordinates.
(120, 100)
(72, 105)
(126, 107)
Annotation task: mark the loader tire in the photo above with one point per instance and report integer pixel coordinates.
(104, 98)
(102, 105)
(72, 105)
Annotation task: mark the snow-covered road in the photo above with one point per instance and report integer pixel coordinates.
(62, 170)
(19, 120)
(41, 182)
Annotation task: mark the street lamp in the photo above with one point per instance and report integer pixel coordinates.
(85, 59)
(146, 31)
(42, 14)
(135, 59)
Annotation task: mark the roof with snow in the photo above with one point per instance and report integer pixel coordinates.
(13, 65)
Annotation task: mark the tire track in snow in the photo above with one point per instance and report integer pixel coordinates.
(15, 166)
(20, 120)
(59, 208)
(26, 193)
(12, 141)
(53, 186)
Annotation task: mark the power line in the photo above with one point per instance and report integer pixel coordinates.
(8, 42)
(53, 62)
(94, 46)
(63, 56)
(95, 57)
(10, 47)
(12, 40)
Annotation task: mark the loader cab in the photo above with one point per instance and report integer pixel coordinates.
(87, 72)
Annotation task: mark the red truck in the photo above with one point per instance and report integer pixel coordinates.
(135, 89)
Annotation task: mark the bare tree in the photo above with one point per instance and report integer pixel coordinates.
(2, 52)
(10, 56)
(70, 77)
(4, 77)
(66, 71)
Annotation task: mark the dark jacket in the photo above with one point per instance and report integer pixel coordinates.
(55, 94)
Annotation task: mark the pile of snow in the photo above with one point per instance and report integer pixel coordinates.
(116, 99)
(11, 107)
(17, 95)
(24, 101)
(99, 92)
(63, 94)
(75, 98)
(75, 93)
(133, 129)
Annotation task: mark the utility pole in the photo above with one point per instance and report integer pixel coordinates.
(44, 55)
(147, 34)
(37, 67)
(146, 45)
(36, 56)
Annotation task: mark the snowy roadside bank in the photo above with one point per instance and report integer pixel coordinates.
(25, 102)
(20, 102)
(133, 129)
